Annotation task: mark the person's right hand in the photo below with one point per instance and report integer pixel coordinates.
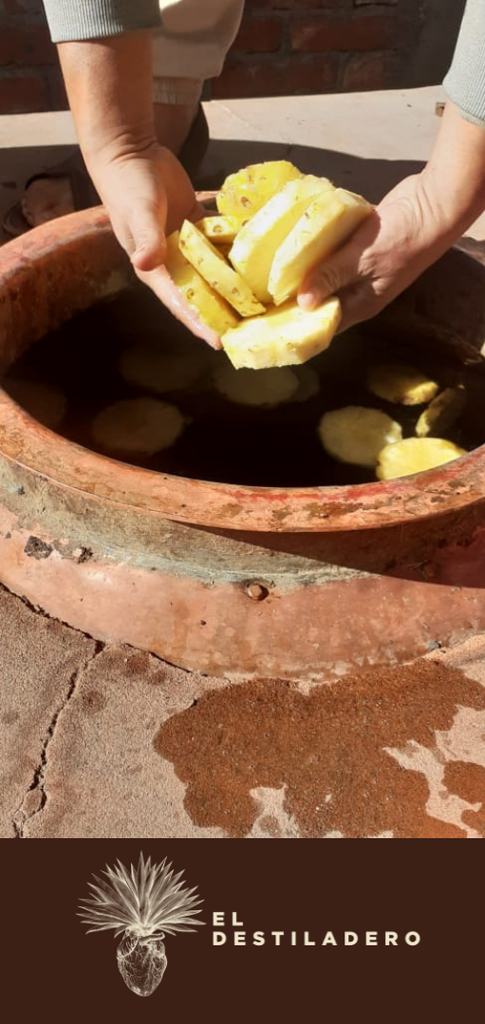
(147, 195)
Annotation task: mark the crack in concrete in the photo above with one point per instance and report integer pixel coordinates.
(34, 804)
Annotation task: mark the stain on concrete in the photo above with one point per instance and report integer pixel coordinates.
(138, 664)
(37, 548)
(10, 717)
(93, 702)
(326, 750)
(468, 782)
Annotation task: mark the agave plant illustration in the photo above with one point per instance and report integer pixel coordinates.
(144, 904)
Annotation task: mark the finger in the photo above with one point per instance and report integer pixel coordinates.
(162, 285)
(148, 244)
(340, 270)
(358, 303)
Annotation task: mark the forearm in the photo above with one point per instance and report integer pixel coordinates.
(109, 86)
(453, 181)
(96, 19)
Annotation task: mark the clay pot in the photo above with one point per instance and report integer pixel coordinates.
(233, 580)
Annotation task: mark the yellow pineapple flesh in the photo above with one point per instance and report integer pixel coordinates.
(247, 190)
(209, 306)
(257, 241)
(215, 270)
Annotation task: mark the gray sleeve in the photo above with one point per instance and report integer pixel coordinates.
(70, 20)
(465, 81)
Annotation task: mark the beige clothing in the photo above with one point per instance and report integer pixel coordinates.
(195, 38)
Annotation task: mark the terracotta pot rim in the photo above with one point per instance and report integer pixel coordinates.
(68, 465)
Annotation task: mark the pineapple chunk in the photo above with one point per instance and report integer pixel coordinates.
(357, 435)
(212, 310)
(246, 191)
(205, 258)
(257, 241)
(395, 382)
(220, 230)
(283, 337)
(263, 388)
(328, 221)
(442, 412)
(137, 426)
(415, 455)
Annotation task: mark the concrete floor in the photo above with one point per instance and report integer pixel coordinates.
(103, 741)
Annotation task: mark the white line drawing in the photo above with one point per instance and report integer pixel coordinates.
(143, 904)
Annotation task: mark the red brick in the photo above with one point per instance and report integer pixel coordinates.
(23, 95)
(366, 71)
(276, 78)
(30, 45)
(259, 35)
(360, 32)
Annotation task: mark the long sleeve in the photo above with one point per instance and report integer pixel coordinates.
(71, 20)
(465, 81)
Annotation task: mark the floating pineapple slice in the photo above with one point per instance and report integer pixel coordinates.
(42, 401)
(247, 387)
(246, 191)
(283, 337)
(415, 455)
(356, 435)
(205, 258)
(149, 368)
(137, 426)
(220, 230)
(404, 385)
(328, 221)
(207, 303)
(257, 241)
(441, 413)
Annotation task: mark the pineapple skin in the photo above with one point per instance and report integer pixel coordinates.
(283, 337)
(329, 220)
(215, 270)
(256, 242)
(212, 309)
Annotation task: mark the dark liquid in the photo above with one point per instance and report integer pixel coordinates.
(224, 441)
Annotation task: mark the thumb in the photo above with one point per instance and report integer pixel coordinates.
(330, 277)
(139, 229)
(147, 247)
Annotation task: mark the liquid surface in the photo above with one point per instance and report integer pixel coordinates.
(222, 440)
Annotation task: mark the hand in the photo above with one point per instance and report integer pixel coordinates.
(147, 195)
(406, 233)
(144, 188)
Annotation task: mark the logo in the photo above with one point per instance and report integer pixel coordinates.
(143, 905)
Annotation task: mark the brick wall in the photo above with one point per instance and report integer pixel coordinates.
(283, 47)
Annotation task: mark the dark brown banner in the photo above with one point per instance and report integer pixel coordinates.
(292, 930)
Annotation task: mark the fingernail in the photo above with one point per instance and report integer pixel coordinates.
(307, 301)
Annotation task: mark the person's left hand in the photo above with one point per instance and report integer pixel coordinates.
(404, 236)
